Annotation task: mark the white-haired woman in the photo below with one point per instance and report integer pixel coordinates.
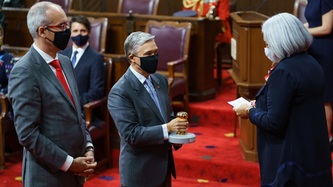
(289, 110)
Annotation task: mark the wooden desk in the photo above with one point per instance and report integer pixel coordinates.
(201, 54)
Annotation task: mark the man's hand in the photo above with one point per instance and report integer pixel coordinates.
(83, 166)
(178, 125)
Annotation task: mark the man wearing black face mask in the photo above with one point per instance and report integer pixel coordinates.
(87, 62)
(58, 149)
(141, 110)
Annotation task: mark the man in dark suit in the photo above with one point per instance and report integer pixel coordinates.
(87, 62)
(58, 150)
(140, 107)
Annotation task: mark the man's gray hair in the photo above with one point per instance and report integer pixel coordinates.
(135, 40)
(286, 35)
(37, 16)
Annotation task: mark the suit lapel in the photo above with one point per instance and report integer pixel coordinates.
(45, 70)
(67, 69)
(161, 96)
(143, 94)
(83, 58)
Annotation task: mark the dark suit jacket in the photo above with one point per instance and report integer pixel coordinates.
(144, 154)
(48, 124)
(90, 75)
(292, 133)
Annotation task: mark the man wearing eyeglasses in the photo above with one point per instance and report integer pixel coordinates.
(58, 150)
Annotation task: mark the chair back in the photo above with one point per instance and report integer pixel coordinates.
(108, 76)
(148, 7)
(65, 4)
(98, 33)
(172, 39)
(299, 10)
(97, 37)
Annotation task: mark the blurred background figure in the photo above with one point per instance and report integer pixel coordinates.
(6, 65)
(319, 16)
(87, 62)
(212, 9)
(9, 3)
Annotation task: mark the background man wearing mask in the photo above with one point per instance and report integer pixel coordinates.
(58, 150)
(87, 62)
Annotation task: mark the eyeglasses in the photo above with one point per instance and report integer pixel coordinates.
(62, 26)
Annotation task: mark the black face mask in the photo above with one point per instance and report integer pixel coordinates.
(80, 40)
(149, 63)
(61, 38)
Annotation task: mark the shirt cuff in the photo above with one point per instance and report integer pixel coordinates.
(89, 144)
(67, 164)
(165, 131)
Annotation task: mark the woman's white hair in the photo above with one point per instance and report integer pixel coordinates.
(286, 35)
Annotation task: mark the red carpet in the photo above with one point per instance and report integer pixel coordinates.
(213, 160)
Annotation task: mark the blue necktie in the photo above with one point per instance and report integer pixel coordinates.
(152, 93)
(74, 58)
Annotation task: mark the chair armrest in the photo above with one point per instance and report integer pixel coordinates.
(171, 69)
(89, 107)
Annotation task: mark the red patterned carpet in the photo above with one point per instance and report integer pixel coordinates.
(213, 160)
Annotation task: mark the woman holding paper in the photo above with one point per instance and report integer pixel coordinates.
(289, 110)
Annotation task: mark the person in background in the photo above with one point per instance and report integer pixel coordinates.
(141, 110)
(87, 62)
(289, 111)
(58, 149)
(12, 3)
(319, 16)
(6, 65)
(212, 9)
(9, 3)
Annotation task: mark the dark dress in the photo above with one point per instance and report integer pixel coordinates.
(322, 46)
(291, 126)
(6, 65)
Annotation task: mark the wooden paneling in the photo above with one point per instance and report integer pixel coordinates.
(201, 54)
(16, 29)
(168, 7)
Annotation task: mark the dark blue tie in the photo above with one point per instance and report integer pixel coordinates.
(74, 58)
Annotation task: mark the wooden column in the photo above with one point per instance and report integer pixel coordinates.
(249, 66)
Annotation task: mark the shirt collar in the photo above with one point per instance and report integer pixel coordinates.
(80, 49)
(45, 56)
(141, 78)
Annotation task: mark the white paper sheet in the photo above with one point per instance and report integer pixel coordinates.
(238, 101)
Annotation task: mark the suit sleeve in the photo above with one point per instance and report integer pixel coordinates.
(279, 96)
(97, 81)
(132, 120)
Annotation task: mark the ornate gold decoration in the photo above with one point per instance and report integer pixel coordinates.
(192, 4)
(182, 115)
